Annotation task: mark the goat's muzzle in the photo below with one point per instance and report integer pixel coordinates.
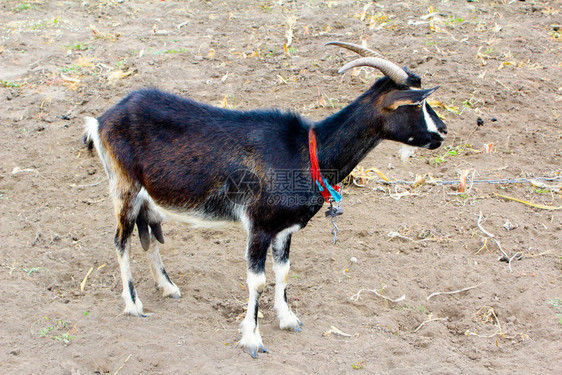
(435, 141)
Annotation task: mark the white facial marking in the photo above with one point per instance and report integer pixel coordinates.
(431, 127)
(410, 139)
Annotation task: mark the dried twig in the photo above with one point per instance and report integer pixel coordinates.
(490, 234)
(498, 331)
(69, 79)
(291, 22)
(538, 255)
(541, 206)
(12, 268)
(37, 237)
(335, 331)
(123, 365)
(356, 296)
(17, 170)
(430, 320)
(484, 245)
(482, 229)
(505, 257)
(392, 235)
(98, 181)
(396, 234)
(397, 195)
(83, 283)
(453, 292)
(182, 24)
(516, 255)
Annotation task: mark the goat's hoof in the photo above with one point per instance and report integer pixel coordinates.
(253, 351)
(175, 294)
(252, 345)
(293, 328)
(135, 312)
(291, 323)
(134, 309)
(170, 290)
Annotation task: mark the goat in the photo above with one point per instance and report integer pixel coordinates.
(170, 156)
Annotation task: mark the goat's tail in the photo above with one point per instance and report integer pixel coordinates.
(90, 133)
(92, 139)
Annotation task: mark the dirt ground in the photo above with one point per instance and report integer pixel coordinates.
(499, 61)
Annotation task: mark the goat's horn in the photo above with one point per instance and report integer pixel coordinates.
(361, 51)
(391, 70)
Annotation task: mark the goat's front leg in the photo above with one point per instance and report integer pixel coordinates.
(258, 244)
(281, 265)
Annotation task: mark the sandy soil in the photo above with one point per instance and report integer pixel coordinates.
(495, 60)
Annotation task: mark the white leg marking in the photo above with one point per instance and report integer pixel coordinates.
(133, 304)
(287, 319)
(161, 279)
(251, 340)
(243, 217)
(282, 236)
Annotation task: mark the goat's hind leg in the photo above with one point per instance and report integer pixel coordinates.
(125, 208)
(161, 278)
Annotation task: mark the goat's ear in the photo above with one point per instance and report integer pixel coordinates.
(399, 98)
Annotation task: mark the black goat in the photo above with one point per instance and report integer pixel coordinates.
(167, 155)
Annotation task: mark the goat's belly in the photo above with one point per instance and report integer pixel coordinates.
(196, 219)
(214, 212)
(218, 210)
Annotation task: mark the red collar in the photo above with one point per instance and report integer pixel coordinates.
(328, 191)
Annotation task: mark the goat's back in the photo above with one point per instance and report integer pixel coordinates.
(182, 151)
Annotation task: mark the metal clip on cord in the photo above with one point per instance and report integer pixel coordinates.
(333, 213)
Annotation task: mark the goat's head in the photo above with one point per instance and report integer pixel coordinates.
(405, 114)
